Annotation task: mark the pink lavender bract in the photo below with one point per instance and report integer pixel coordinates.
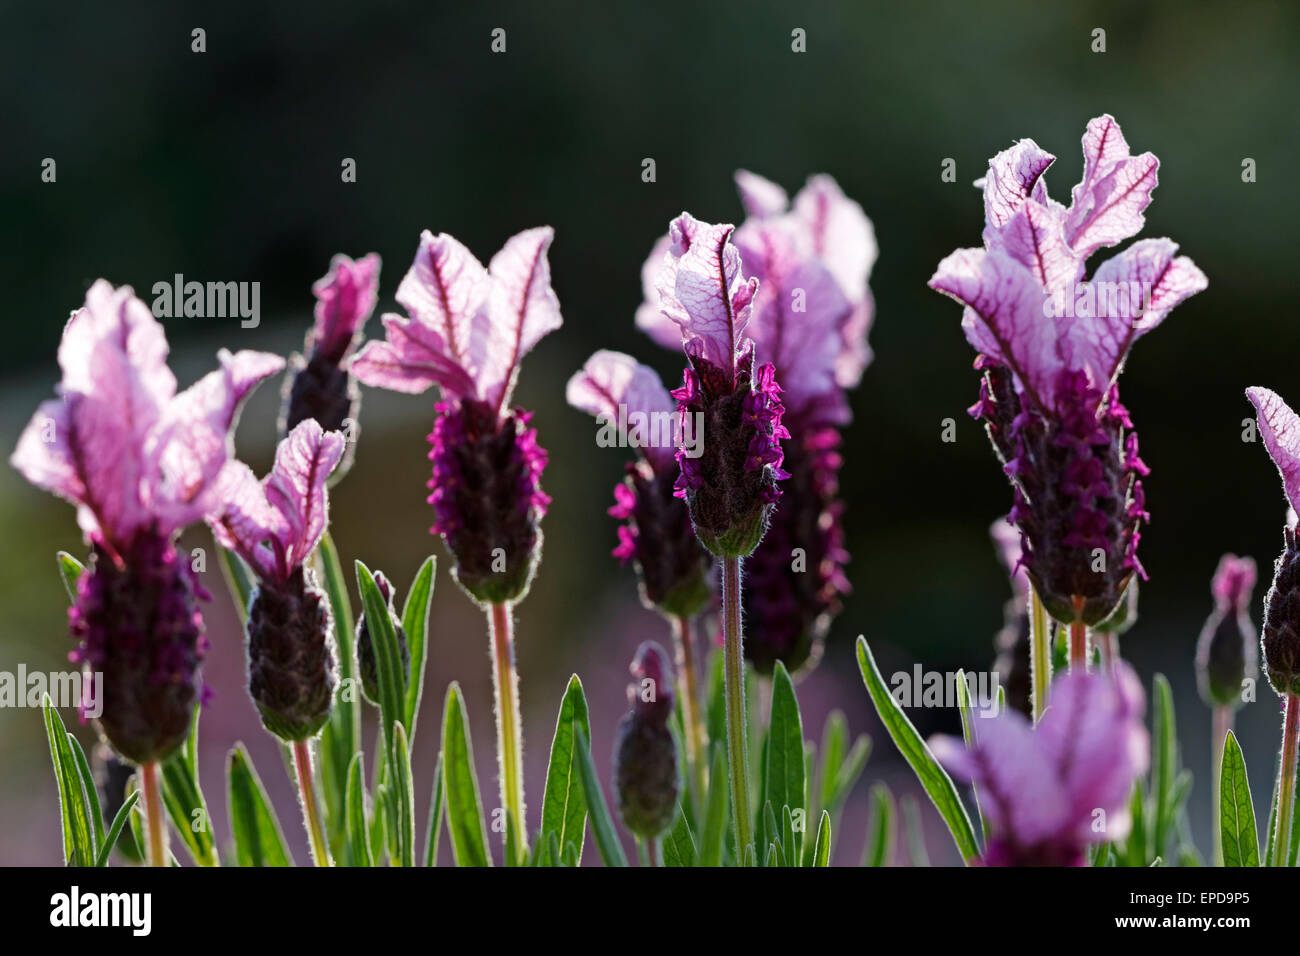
(466, 331)
(140, 461)
(1051, 791)
(1052, 344)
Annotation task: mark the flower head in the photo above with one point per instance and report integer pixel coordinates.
(319, 385)
(275, 525)
(645, 753)
(466, 331)
(140, 461)
(629, 399)
(1046, 789)
(1225, 652)
(1052, 344)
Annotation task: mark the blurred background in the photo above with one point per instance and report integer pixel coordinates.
(226, 165)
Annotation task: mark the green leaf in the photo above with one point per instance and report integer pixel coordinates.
(388, 663)
(358, 830)
(238, 578)
(183, 798)
(822, 849)
(341, 737)
(1236, 811)
(259, 840)
(679, 844)
(933, 777)
(434, 831)
(880, 827)
(564, 807)
(70, 570)
(415, 622)
(712, 837)
(785, 783)
(602, 826)
(1164, 763)
(404, 792)
(78, 841)
(464, 809)
(915, 833)
(115, 829)
(971, 736)
(90, 790)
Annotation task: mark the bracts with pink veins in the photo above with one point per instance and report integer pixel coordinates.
(140, 461)
(1051, 345)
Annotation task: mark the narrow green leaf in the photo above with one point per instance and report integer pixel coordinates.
(415, 623)
(971, 736)
(786, 786)
(915, 833)
(712, 837)
(78, 842)
(679, 843)
(341, 736)
(464, 808)
(188, 812)
(564, 807)
(434, 830)
(70, 571)
(115, 830)
(1236, 811)
(880, 827)
(602, 826)
(404, 790)
(238, 578)
(91, 791)
(822, 849)
(835, 745)
(259, 841)
(358, 830)
(933, 777)
(388, 665)
(1164, 763)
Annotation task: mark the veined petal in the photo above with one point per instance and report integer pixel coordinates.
(842, 236)
(296, 487)
(1014, 176)
(44, 456)
(713, 297)
(612, 381)
(761, 197)
(650, 315)
(244, 521)
(1104, 146)
(345, 297)
(1034, 236)
(522, 308)
(1107, 204)
(413, 357)
(1280, 428)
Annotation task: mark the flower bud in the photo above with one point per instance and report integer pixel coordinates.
(290, 663)
(645, 753)
(731, 488)
(138, 623)
(487, 497)
(319, 389)
(1225, 651)
(1281, 639)
(366, 650)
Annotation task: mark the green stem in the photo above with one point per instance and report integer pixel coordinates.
(734, 687)
(1286, 784)
(1040, 655)
(691, 716)
(656, 849)
(320, 851)
(1078, 645)
(1221, 725)
(153, 814)
(510, 741)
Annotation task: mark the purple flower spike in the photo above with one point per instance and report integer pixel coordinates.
(1052, 343)
(1226, 655)
(629, 399)
(275, 525)
(319, 385)
(467, 330)
(140, 461)
(1051, 791)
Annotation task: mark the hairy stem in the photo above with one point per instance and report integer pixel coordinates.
(156, 824)
(1078, 645)
(311, 818)
(734, 686)
(1286, 784)
(691, 715)
(1040, 655)
(1218, 734)
(510, 738)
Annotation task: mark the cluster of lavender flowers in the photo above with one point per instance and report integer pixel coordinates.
(735, 480)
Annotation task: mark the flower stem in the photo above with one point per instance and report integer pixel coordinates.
(656, 848)
(1286, 785)
(153, 814)
(311, 818)
(734, 686)
(1040, 655)
(510, 741)
(1222, 724)
(1078, 645)
(1108, 641)
(691, 716)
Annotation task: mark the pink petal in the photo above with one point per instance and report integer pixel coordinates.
(650, 316)
(1034, 236)
(44, 456)
(344, 300)
(1014, 175)
(296, 487)
(1280, 428)
(1104, 146)
(609, 380)
(413, 358)
(244, 520)
(712, 296)
(1107, 205)
(760, 197)
(522, 308)
(1004, 316)
(842, 235)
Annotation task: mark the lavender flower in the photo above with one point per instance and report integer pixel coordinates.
(731, 487)
(672, 565)
(275, 525)
(467, 330)
(645, 754)
(319, 385)
(140, 462)
(1052, 345)
(1050, 791)
(1225, 651)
